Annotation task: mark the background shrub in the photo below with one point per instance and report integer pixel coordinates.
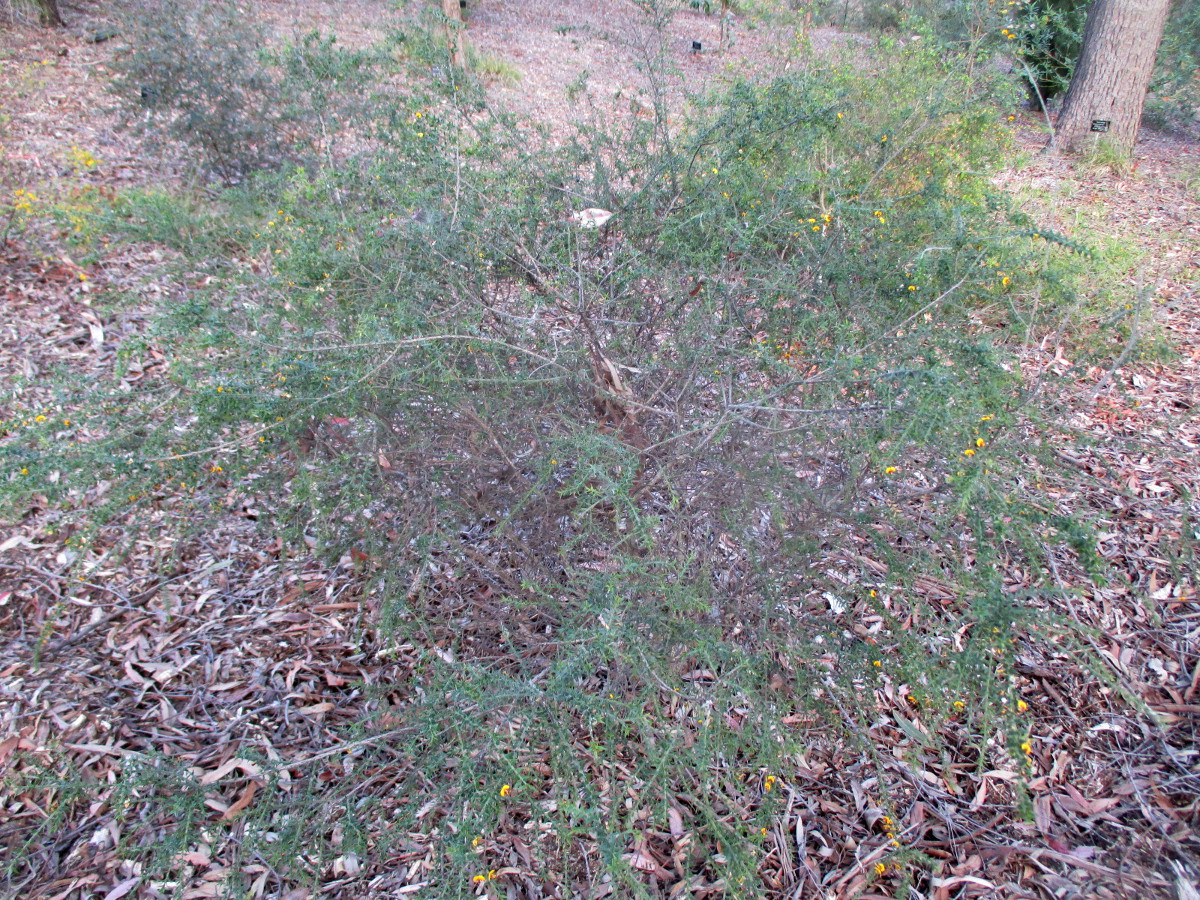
(1043, 38)
(202, 73)
(1175, 91)
(1050, 35)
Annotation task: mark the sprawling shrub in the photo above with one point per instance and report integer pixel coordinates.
(202, 73)
(607, 471)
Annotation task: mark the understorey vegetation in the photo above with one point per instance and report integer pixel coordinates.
(667, 457)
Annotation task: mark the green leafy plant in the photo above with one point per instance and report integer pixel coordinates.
(1050, 35)
(598, 473)
(487, 65)
(1175, 90)
(201, 73)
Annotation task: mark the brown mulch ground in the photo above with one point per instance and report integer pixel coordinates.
(204, 648)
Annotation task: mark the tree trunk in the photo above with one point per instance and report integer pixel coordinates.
(1108, 89)
(49, 14)
(452, 10)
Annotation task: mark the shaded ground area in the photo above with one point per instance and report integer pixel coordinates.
(206, 648)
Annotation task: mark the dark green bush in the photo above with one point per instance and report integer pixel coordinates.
(1050, 37)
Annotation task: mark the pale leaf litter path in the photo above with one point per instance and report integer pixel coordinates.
(203, 650)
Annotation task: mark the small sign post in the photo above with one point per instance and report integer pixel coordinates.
(1101, 124)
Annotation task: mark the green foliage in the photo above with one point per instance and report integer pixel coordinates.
(1045, 38)
(1050, 37)
(959, 22)
(1043, 35)
(715, 7)
(600, 470)
(1175, 91)
(1106, 154)
(487, 65)
(17, 199)
(200, 72)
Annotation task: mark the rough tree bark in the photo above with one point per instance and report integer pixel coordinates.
(49, 14)
(452, 10)
(1108, 89)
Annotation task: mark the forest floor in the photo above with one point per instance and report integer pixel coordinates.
(237, 645)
